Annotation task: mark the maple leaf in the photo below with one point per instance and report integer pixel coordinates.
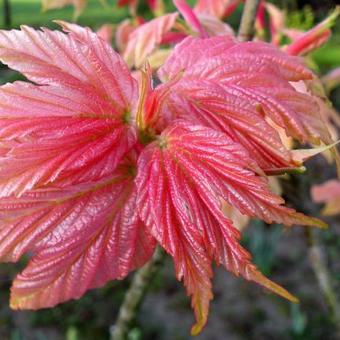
(215, 8)
(143, 41)
(315, 37)
(180, 192)
(213, 26)
(98, 225)
(73, 126)
(329, 193)
(122, 33)
(96, 167)
(246, 76)
(106, 32)
(190, 17)
(60, 156)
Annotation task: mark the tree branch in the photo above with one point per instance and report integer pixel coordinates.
(7, 13)
(134, 296)
(246, 29)
(297, 190)
(317, 261)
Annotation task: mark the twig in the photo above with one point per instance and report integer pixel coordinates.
(246, 29)
(134, 296)
(323, 276)
(7, 13)
(297, 190)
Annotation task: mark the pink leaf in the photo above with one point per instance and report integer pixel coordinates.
(209, 104)
(214, 26)
(257, 72)
(73, 129)
(63, 136)
(191, 51)
(81, 237)
(143, 41)
(315, 37)
(187, 174)
(86, 63)
(122, 34)
(329, 193)
(215, 8)
(326, 191)
(190, 17)
(106, 32)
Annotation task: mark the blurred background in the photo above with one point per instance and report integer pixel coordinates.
(240, 310)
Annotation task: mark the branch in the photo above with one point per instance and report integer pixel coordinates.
(323, 276)
(246, 29)
(297, 191)
(134, 296)
(7, 13)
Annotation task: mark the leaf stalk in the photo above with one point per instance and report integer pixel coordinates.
(135, 294)
(246, 29)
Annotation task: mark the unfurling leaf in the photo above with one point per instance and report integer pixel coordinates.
(315, 37)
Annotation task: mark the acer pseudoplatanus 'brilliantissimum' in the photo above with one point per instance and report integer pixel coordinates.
(96, 167)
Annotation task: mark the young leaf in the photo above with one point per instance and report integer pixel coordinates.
(88, 64)
(258, 73)
(315, 37)
(75, 127)
(329, 193)
(187, 174)
(62, 136)
(80, 237)
(190, 17)
(143, 41)
(209, 104)
(69, 144)
(214, 8)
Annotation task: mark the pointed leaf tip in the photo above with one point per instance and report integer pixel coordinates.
(196, 329)
(259, 278)
(322, 224)
(302, 155)
(16, 302)
(201, 320)
(13, 304)
(190, 17)
(310, 221)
